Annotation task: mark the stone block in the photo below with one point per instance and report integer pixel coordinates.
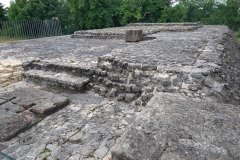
(130, 97)
(133, 35)
(128, 88)
(177, 82)
(144, 97)
(136, 89)
(112, 93)
(5, 75)
(148, 67)
(114, 77)
(121, 97)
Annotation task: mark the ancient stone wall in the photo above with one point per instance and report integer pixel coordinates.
(10, 71)
(221, 82)
(229, 72)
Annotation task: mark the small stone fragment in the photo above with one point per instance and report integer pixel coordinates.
(193, 87)
(121, 97)
(113, 92)
(136, 89)
(130, 97)
(177, 82)
(114, 77)
(101, 152)
(166, 83)
(144, 97)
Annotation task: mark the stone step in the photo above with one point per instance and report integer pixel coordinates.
(173, 126)
(73, 69)
(97, 74)
(62, 80)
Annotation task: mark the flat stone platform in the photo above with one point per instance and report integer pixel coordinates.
(199, 48)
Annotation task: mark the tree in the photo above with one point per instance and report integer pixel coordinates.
(43, 10)
(90, 14)
(176, 13)
(34, 9)
(142, 10)
(18, 10)
(3, 16)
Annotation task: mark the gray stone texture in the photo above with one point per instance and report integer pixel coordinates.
(24, 108)
(86, 129)
(203, 63)
(176, 127)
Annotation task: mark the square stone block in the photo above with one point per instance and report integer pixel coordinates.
(133, 35)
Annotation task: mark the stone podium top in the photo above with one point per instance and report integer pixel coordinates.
(200, 48)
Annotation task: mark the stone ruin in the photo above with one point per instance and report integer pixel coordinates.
(173, 95)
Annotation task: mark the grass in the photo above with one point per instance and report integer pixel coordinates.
(8, 39)
(238, 40)
(104, 68)
(46, 150)
(237, 35)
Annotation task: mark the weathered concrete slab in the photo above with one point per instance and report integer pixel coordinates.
(176, 127)
(22, 108)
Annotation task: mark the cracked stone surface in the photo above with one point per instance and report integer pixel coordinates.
(85, 129)
(20, 109)
(177, 127)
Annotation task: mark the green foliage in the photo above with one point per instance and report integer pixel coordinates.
(3, 16)
(18, 10)
(142, 10)
(104, 68)
(40, 116)
(94, 14)
(90, 14)
(210, 12)
(46, 150)
(89, 73)
(173, 14)
(42, 10)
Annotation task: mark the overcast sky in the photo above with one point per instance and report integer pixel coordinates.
(5, 2)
